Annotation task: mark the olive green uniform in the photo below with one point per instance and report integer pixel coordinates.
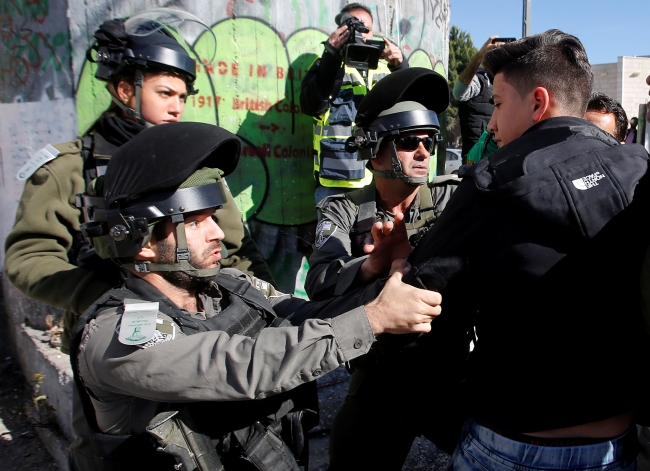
(37, 259)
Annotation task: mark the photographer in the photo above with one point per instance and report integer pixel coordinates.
(473, 91)
(331, 92)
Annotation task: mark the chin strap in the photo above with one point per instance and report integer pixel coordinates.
(182, 257)
(138, 82)
(398, 171)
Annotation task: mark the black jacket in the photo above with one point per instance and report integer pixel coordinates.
(540, 249)
(475, 113)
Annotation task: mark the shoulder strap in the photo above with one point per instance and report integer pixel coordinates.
(247, 292)
(45, 155)
(364, 200)
(427, 214)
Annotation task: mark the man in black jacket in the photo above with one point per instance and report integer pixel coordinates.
(539, 251)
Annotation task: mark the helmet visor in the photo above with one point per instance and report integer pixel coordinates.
(183, 26)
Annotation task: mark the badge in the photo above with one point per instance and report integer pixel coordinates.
(324, 231)
(138, 322)
(36, 161)
(165, 331)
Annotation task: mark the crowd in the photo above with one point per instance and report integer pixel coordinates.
(502, 313)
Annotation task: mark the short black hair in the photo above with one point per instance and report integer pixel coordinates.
(554, 60)
(357, 6)
(601, 103)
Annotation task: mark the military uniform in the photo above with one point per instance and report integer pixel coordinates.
(42, 248)
(221, 358)
(345, 226)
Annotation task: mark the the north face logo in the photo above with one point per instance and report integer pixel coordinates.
(587, 182)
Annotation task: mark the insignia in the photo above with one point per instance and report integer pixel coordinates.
(587, 182)
(165, 331)
(138, 323)
(261, 285)
(36, 161)
(324, 231)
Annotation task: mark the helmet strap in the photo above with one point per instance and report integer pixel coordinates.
(182, 258)
(138, 82)
(398, 170)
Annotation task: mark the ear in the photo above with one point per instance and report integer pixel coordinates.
(542, 103)
(147, 253)
(124, 91)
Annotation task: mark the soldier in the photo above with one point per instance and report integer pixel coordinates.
(149, 75)
(218, 354)
(398, 128)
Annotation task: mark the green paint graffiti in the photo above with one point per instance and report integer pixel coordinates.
(252, 88)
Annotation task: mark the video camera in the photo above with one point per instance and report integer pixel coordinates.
(358, 52)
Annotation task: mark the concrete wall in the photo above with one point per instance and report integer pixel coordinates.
(624, 81)
(606, 79)
(252, 89)
(634, 90)
(48, 95)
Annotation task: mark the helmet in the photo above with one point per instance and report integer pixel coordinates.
(164, 171)
(143, 42)
(406, 100)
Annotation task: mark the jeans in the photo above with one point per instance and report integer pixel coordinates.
(481, 449)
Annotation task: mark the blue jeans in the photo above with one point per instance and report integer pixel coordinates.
(481, 449)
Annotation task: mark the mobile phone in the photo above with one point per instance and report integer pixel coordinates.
(503, 40)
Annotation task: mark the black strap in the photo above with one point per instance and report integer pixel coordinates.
(247, 292)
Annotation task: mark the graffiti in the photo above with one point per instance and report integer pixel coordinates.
(252, 88)
(439, 12)
(257, 98)
(34, 52)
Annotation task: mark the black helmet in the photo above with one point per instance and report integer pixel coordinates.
(140, 43)
(406, 100)
(164, 171)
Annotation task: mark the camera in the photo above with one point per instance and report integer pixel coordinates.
(358, 52)
(503, 40)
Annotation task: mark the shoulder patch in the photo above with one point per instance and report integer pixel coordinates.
(36, 161)
(324, 231)
(138, 324)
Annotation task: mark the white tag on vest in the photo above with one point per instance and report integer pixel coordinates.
(138, 322)
(36, 161)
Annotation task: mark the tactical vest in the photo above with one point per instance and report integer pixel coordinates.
(336, 167)
(95, 153)
(367, 216)
(275, 437)
(475, 114)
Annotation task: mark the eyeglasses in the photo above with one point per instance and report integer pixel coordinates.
(412, 142)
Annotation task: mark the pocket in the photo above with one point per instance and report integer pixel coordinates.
(343, 109)
(338, 164)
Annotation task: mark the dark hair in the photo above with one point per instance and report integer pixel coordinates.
(601, 103)
(128, 75)
(635, 119)
(554, 60)
(357, 6)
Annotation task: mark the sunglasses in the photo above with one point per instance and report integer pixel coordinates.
(412, 142)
